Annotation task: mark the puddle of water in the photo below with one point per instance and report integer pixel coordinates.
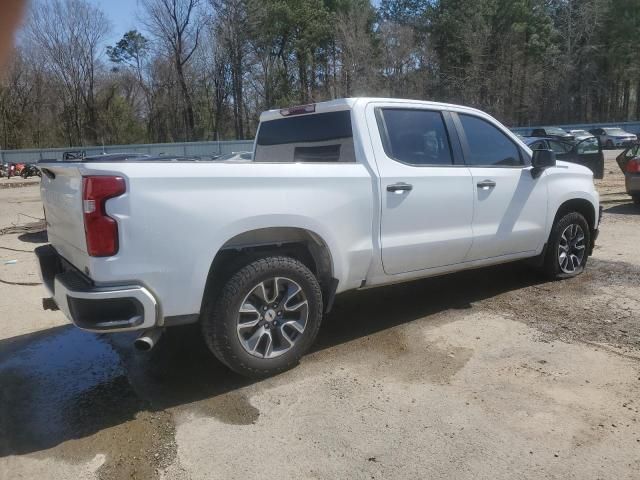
(50, 380)
(66, 394)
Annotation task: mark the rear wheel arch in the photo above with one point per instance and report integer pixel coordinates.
(303, 245)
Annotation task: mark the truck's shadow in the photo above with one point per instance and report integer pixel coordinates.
(62, 383)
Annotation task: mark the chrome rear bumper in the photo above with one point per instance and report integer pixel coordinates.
(95, 308)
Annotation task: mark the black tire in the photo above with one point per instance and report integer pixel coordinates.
(636, 199)
(220, 316)
(609, 144)
(551, 265)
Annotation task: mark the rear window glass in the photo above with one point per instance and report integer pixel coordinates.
(415, 137)
(321, 137)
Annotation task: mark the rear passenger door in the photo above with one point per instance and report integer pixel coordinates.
(510, 206)
(426, 191)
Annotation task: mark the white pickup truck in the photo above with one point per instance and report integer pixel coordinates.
(341, 195)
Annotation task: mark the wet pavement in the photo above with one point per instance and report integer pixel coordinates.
(65, 384)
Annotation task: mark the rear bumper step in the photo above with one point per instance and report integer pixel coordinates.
(91, 307)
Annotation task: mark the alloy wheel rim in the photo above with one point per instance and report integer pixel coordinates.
(571, 249)
(272, 317)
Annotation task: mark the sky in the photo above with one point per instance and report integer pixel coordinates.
(123, 16)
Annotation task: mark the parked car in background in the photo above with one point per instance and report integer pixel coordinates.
(341, 195)
(580, 134)
(552, 132)
(629, 162)
(19, 168)
(587, 152)
(30, 170)
(8, 170)
(235, 156)
(612, 137)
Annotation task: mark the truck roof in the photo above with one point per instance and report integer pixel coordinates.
(349, 103)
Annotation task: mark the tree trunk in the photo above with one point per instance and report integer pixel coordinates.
(188, 104)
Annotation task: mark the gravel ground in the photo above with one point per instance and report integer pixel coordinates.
(492, 373)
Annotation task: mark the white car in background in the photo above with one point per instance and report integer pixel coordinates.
(612, 137)
(580, 135)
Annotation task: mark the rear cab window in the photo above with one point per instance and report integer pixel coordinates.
(320, 138)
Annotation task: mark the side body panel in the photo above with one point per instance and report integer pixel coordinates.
(175, 217)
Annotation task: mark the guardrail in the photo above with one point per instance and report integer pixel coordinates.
(180, 149)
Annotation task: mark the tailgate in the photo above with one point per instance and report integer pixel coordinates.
(61, 192)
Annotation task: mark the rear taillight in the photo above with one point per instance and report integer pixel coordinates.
(100, 229)
(633, 166)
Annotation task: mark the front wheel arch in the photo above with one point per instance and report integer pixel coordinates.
(580, 205)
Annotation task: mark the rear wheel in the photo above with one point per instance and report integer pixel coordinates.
(265, 317)
(567, 248)
(636, 199)
(609, 144)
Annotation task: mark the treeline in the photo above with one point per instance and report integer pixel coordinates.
(204, 70)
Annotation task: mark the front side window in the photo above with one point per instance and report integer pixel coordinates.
(488, 146)
(588, 145)
(320, 137)
(559, 147)
(414, 137)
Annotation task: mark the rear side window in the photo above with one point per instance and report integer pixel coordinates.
(321, 137)
(414, 137)
(488, 146)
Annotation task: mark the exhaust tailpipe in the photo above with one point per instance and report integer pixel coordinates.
(148, 339)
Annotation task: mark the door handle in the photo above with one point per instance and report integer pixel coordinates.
(486, 184)
(399, 187)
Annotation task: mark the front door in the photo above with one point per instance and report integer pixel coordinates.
(509, 204)
(426, 198)
(587, 152)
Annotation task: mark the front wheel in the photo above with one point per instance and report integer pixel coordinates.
(265, 317)
(567, 248)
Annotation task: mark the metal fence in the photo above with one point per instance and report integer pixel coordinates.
(179, 149)
(631, 127)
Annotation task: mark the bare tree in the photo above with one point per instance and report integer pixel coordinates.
(354, 43)
(70, 33)
(177, 25)
(231, 23)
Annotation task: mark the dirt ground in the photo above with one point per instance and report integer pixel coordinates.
(488, 374)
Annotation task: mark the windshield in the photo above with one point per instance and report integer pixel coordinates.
(555, 131)
(579, 132)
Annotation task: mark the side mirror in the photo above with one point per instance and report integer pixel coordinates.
(541, 160)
